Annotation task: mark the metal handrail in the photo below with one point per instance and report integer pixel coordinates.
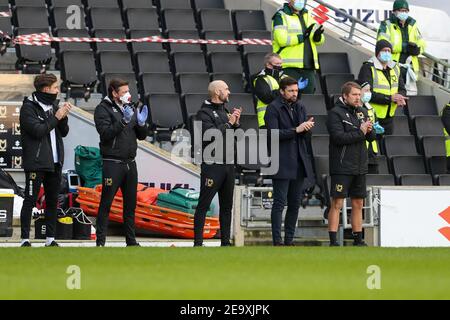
(445, 78)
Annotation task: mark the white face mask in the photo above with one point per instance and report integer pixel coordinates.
(126, 98)
(299, 4)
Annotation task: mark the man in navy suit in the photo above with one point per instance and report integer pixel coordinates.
(288, 116)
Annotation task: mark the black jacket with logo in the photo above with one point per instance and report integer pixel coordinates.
(35, 126)
(215, 116)
(348, 150)
(117, 139)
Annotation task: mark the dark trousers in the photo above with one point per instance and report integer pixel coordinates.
(388, 125)
(290, 192)
(215, 178)
(52, 184)
(124, 176)
(297, 73)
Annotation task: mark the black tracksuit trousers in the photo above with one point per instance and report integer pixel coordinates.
(118, 174)
(215, 178)
(52, 185)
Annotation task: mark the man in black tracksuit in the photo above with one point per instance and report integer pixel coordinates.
(217, 174)
(43, 125)
(349, 127)
(119, 125)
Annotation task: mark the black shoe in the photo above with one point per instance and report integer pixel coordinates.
(360, 244)
(100, 245)
(278, 244)
(290, 244)
(52, 244)
(326, 212)
(198, 245)
(334, 244)
(135, 244)
(26, 244)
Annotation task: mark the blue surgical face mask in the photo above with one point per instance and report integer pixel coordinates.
(299, 5)
(366, 97)
(385, 56)
(402, 16)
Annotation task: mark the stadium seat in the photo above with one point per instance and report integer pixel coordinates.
(334, 82)
(219, 35)
(207, 4)
(152, 62)
(107, 46)
(248, 121)
(178, 19)
(408, 165)
(78, 73)
(115, 62)
(30, 17)
(401, 126)
(246, 20)
(65, 3)
(428, 126)
(433, 146)
(319, 89)
(32, 59)
(193, 103)
(225, 62)
(105, 18)
(189, 62)
(380, 180)
(136, 4)
(173, 4)
(422, 106)
(437, 165)
(72, 46)
(444, 180)
(215, 20)
(242, 100)
(193, 82)
(400, 112)
(129, 77)
(141, 19)
(28, 3)
(399, 146)
(320, 145)
(254, 63)
(233, 80)
(257, 34)
(60, 18)
(314, 104)
(165, 114)
(101, 4)
(383, 167)
(145, 46)
(334, 63)
(416, 180)
(320, 125)
(183, 47)
(156, 83)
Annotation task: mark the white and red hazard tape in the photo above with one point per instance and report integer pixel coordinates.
(5, 14)
(44, 39)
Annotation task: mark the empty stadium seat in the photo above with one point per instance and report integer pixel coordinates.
(225, 62)
(183, 47)
(380, 180)
(208, 4)
(219, 35)
(189, 62)
(334, 82)
(437, 165)
(399, 146)
(136, 4)
(145, 46)
(401, 126)
(33, 59)
(178, 19)
(320, 145)
(193, 103)
(152, 62)
(257, 34)
(156, 83)
(28, 3)
(115, 62)
(254, 63)
(101, 3)
(30, 17)
(314, 104)
(65, 3)
(433, 146)
(416, 180)
(242, 100)
(245, 20)
(78, 73)
(382, 162)
(334, 63)
(108, 46)
(61, 18)
(444, 180)
(248, 121)
(320, 125)
(422, 106)
(141, 19)
(165, 113)
(105, 18)
(428, 126)
(408, 165)
(173, 4)
(72, 46)
(193, 82)
(233, 80)
(215, 20)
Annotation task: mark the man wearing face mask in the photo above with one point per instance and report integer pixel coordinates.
(43, 125)
(266, 84)
(296, 36)
(119, 124)
(402, 32)
(388, 88)
(217, 170)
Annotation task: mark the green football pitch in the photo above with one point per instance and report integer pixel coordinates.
(225, 273)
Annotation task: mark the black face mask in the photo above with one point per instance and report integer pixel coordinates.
(275, 72)
(46, 98)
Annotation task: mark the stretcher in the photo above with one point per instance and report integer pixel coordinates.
(149, 217)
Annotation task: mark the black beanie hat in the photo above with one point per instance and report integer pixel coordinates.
(381, 45)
